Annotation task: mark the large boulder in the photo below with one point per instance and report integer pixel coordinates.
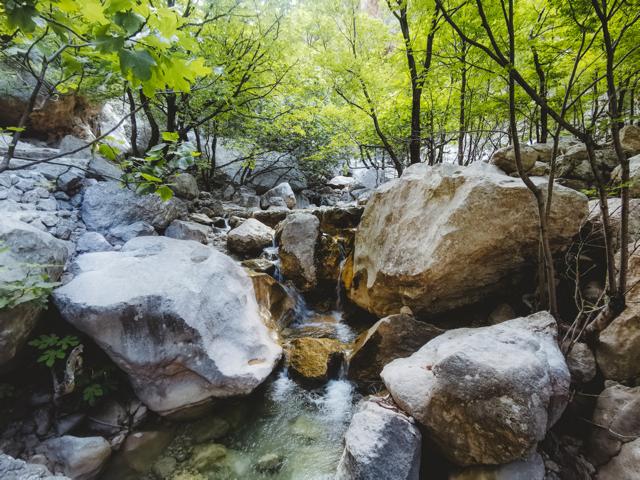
(108, 205)
(78, 458)
(184, 185)
(283, 191)
(392, 337)
(443, 237)
(485, 395)
(634, 176)
(180, 318)
(625, 466)
(630, 138)
(618, 347)
(574, 169)
(381, 443)
(26, 255)
(505, 159)
(595, 232)
(298, 236)
(250, 238)
(13, 469)
(615, 422)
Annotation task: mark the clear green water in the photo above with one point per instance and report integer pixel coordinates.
(299, 431)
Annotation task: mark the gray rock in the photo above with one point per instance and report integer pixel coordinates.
(618, 347)
(77, 458)
(630, 138)
(582, 363)
(634, 176)
(12, 469)
(392, 337)
(274, 203)
(92, 242)
(505, 159)
(184, 185)
(381, 443)
(102, 169)
(70, 182)
(107, 205)
(250, 238)
(615, 215)
(625, 466)
(29, 254)
(340, 182)
(201, 218)
(247, 200)
(283, 191)
(615, 422)
(47, 204)
(531, 468)
(297, 237)
(124, 233)
(182, 230)
(180, 318)
(69, 143)
(485, 395)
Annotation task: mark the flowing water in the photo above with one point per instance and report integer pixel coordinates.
(282, 432)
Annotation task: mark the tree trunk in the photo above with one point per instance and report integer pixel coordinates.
(463, 94)
(547, 257)
(134, 123)
(154, 139)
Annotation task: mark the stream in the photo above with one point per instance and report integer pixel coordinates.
(280, 432)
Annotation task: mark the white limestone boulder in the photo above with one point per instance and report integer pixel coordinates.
(180, 318)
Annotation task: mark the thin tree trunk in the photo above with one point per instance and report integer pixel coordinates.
(463, 94)
(615, 125)
(537, 193)
(134, 123)
(154, 139)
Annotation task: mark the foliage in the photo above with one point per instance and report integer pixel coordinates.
(53, 348)
(152, 174)
(35, 286)
(95, 384)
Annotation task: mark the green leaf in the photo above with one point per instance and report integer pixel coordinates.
(22, 15)
(130, 22)
(170, 136)
(107, 151)
(151, 178)
(165, 193)
(138, 62)
(107, 43)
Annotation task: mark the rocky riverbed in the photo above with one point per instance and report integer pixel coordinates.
(227, 334)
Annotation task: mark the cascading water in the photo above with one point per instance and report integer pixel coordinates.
(282, 432)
